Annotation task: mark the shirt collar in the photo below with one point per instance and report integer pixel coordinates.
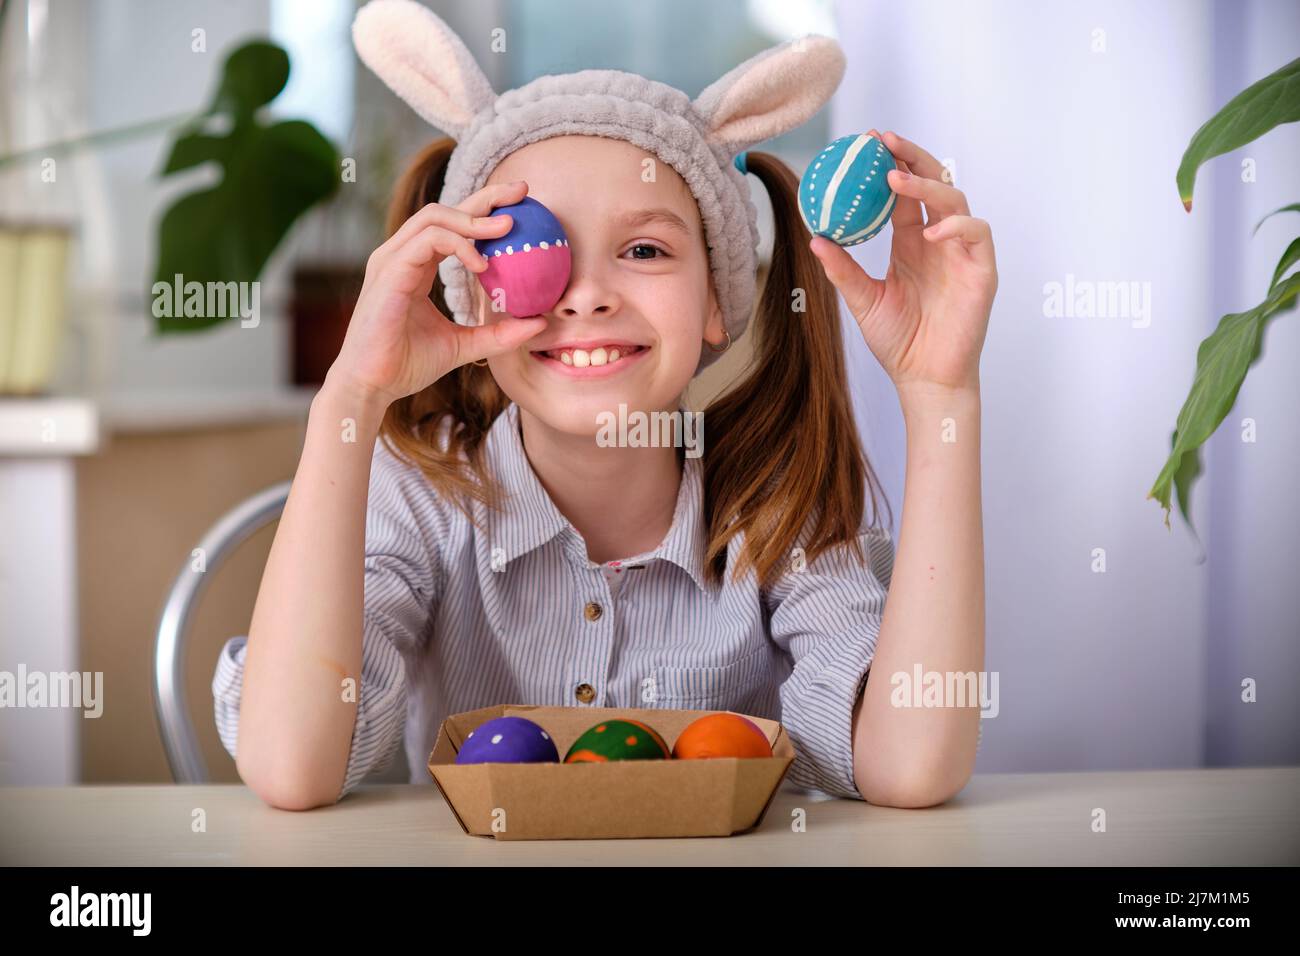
(530, 518)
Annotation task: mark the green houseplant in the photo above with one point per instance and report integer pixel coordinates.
(1223, 359)
(271, 174)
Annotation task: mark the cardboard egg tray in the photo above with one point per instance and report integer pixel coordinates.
(621, 799)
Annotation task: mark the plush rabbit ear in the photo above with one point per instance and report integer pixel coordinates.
(422, 60)
(772, 92)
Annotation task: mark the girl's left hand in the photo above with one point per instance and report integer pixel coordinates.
(925, 321)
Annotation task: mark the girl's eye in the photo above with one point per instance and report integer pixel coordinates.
(652, 248)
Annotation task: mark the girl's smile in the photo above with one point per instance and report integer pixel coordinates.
(591, 360)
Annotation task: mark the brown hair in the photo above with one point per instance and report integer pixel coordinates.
(784, 453)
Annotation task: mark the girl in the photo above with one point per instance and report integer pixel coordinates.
(490, 549)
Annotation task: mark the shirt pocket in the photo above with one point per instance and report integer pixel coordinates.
(711, 687)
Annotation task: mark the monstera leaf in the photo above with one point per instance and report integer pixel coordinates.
(270, 175)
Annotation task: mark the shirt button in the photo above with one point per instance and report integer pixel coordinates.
(592, 610)
(585, 693)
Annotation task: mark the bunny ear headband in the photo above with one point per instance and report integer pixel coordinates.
(423, 61)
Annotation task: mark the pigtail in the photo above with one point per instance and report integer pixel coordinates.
(784, 452)
(468, 399)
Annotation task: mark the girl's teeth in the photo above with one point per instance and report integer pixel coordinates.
(581, 358)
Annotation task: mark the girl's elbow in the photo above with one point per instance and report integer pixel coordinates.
(911, 793)
(290, 796)
(287, 790)
(904, 799)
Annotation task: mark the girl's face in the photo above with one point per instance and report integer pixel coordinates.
(640, 283)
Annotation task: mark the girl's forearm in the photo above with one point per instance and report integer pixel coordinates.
(934, 615)
(304, 641)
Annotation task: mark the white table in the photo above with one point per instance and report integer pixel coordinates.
(1156, 818)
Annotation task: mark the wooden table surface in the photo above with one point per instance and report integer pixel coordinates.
(1153, 818)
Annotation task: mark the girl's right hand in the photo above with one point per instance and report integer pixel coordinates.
(397, 342)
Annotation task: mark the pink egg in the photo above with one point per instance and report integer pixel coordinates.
(528, 267)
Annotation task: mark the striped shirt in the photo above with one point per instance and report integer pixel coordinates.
(456, 619)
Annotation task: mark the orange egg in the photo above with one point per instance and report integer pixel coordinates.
(721, 735)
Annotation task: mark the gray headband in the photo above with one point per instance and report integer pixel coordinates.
(423, 61)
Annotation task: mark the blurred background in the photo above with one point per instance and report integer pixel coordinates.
(122, 440)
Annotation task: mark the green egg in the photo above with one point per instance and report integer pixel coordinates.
(617, 740)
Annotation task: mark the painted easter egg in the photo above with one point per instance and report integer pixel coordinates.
(508, 740)
(721, 735)
(617, 740)
(844, 194)
(528, 267)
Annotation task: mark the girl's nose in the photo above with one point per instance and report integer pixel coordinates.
(587, 294)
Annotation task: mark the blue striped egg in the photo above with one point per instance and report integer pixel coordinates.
(844, 194)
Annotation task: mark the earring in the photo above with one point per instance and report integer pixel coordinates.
(481, 362)
(725, 347)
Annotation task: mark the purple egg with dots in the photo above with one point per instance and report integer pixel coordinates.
(508, 740)
(528, 267)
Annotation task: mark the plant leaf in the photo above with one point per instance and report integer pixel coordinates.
(252, 76)
(271, 175)
(1294, 207)
(1189, 469)
(191, 149)
(1288, 259)
(1250, 114)
(227, 233)
(1221, 364)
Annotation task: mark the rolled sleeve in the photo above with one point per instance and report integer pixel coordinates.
(381, 705)
(227, 683)
(827, 618)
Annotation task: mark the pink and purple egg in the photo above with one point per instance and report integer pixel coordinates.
(528, 267)
(508, 740)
